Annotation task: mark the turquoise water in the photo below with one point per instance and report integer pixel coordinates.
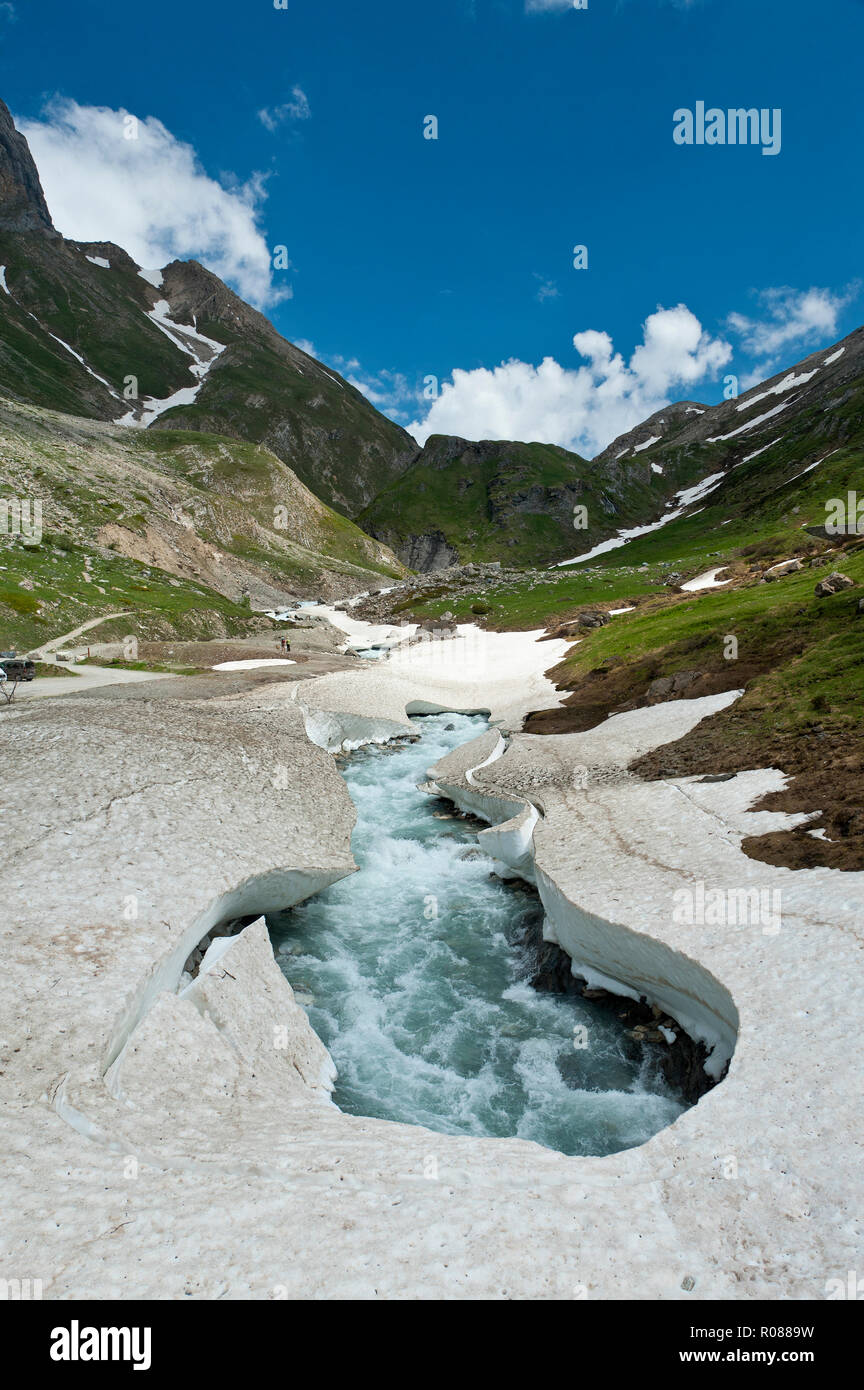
(413, 973)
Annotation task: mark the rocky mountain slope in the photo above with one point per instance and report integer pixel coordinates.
(85, 331)
(461, 502)
(747, 453)
(78, 321)
(147, 520)
(501, 500)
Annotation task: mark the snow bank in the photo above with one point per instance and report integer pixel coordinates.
(708, 580)
(253, 664)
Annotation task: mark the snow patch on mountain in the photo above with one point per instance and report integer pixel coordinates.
(708, 580)
(79, 358)
(750, 425)
(684, 499)
(757, 452)
(153, 277)
(201, 349)
(787, 384)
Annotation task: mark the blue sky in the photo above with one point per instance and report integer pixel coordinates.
(412, 258)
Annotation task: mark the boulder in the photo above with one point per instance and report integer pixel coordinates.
(593, 617)
(832, 584)
(665, 687)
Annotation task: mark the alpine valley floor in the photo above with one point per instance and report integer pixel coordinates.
(171, 1137)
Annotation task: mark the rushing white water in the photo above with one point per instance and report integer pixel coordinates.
(415, 975)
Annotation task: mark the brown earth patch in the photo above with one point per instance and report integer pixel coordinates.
(208, 654)
(825, 765)
(826, 775)
(618, 685)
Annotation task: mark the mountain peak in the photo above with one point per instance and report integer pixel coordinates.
(22, 202)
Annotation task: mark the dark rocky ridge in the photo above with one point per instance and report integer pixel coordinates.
(22, 202)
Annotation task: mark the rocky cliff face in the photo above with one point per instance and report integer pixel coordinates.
(427, 553)
(22, 202)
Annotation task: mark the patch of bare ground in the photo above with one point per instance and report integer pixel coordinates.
(823, 759)
(826, 775)
(211, 653)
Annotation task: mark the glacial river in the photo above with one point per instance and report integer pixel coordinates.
(414, 974)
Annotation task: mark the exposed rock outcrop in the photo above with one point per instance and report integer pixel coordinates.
(832, 584)
(22, 202)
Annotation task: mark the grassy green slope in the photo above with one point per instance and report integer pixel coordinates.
(166, 523)
(54, 288)
(264, 389)
(68, 583)
(252, 484)
(506, 501)
(514, 502)
(758, 511)
(820, 641)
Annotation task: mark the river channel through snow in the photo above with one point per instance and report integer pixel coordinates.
(415, 973)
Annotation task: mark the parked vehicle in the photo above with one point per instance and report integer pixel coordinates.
(16, 668)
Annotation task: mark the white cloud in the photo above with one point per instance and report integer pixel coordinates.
(581, 408)
(547, 289)
(390, 392)
(148, 194)
(792, 317)
(297, 109)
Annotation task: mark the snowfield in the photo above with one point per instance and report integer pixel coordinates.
(194, 1113)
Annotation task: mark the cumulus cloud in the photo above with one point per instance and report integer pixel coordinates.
(790, 318)
(581, 408)
(297, 109)
(109, 176)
